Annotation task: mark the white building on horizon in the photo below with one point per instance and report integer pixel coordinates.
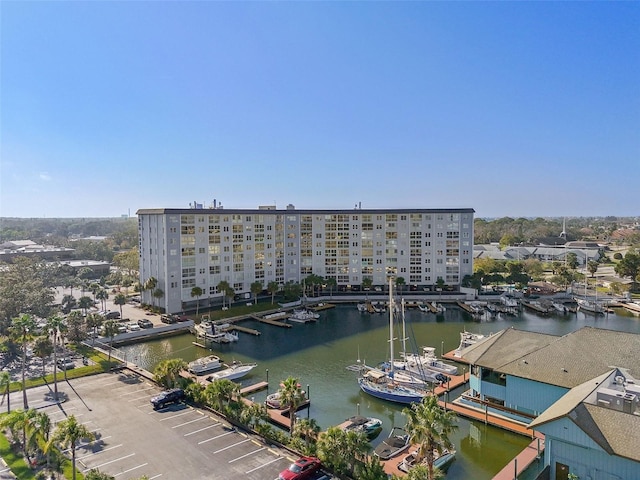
(185, 248)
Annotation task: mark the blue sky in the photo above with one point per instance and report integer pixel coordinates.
(510, 108)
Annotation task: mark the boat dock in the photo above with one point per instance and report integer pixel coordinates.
(467, 308)
(455, 382)
(521, 462)
(271, 321)
(452, 356)
(256, 387)
(632, 307)
(238, 328)
(322, 306)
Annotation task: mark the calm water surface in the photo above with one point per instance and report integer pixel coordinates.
(318, 354)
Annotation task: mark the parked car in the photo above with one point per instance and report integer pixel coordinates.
(168, 396)
(144, 323)
(167, 318)
(65, 364)
(112, 315)
(303, 468)
(133, 326)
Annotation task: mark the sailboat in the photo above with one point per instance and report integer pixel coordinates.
(382, 384)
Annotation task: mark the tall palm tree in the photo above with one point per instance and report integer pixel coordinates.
(68, 433)
(195, 293)
(429, 426)
(94, 322)
(110, 331)
(272, 288)
(85, 303)
(5, 384)
(43, 348)
(150, 284)
(223, 287)
(55, 326)
(120, 299)
(22, 329)
(20, 421)
(307, 428)
(157, 293)
(256, 288)
(291, 395)
(103, 296)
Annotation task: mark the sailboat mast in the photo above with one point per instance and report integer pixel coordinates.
(391, 325)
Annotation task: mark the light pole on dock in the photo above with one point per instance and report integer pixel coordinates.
(267, 381)
(309, 400)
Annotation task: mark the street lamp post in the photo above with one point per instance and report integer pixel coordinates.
(267, 381)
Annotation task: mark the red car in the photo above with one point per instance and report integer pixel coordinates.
(303, 468)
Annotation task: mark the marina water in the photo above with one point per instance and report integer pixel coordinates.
(318, 353)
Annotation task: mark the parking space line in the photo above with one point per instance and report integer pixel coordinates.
(214, 438)
(231, 446)
(99, 452)
(190, 421)
(264, 465)
(247, 455)
(138, 398)
(135, 391)
(155, 476)
(175, 416)
(107, 463)
(202, 429)
(131, 469)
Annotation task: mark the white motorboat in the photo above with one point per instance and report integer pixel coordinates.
(441, 460)
(362, 307)
(466, 340)
(233, 372)
(215, 333)
(427, 361)
(303, 316)
(205, 364)
(396, 443)
(274, 401)
(370, 426)
(590, 306)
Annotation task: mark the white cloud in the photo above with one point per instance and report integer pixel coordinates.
(44, 176)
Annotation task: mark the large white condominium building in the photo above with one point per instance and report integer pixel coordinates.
(200, 247)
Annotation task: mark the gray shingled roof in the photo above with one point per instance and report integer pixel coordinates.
(577, 357)
(505, 347)
(614, 431)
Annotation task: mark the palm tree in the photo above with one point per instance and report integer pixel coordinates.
(340, 450)
(120, 299)
(221, 392)
(94, 288)
(20, 421)
(157, 293)
(273, 288)
(223, 287)
(5, 384)
(41, 429)
(67, 434)
(85, 303)
(195, 293)
(254, 414)
(167, 372)
(331, 283)
(292, 396)
(55, 326)
(429, 427)
(110, 331)
(103, 296)
(67, 303)
(94, 322)
(43, 348)
(307, 428)
(256, 288)
(22, 328)
(150, 284)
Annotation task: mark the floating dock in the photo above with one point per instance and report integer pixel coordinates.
(238, 328)
(269, 321)
(322, 306)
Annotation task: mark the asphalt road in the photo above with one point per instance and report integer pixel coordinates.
(132, 439)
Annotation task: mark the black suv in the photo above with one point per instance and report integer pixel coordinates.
(169, 396)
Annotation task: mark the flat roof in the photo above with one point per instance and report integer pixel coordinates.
(285, 211)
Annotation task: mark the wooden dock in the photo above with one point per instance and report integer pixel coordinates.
(268, 321)
(452, 356)
(632, 307)
(521, 462)
(465, 307)
(322, 306)
(238, 328)
(256, 387)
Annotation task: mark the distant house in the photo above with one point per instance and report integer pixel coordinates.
(551, 382)
(98, 268)
(584, 252)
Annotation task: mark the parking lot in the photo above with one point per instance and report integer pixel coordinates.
(133, 440)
